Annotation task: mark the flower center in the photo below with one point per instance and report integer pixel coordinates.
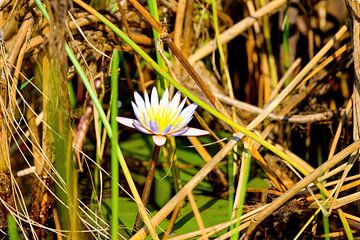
(163, 116)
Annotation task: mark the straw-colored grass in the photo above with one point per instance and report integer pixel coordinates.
(277, 88)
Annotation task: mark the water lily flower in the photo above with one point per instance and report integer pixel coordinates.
(161, 119)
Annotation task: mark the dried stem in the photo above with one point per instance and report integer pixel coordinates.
(148, 183)
(172, 221)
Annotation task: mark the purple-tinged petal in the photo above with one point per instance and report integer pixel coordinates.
(154, 127)
(139, 102)
(140, 128)
(185, 122)
(195, 132)
(188, 111)
(126, 121)
(146, 123)
(159, 140)
(166, 130)
(137, 112)
(179, 132)
(174, 128)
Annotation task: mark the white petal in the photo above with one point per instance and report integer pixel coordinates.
(164, 102)
(188, 111)
(185, 122)
(179, 132)
(140, 128)
(154, 98)
(147, 102)
(159, 140)
(126, 121)
(139, 102)
(180, 107)
(138, 114)
(195, 132)
(175, 101)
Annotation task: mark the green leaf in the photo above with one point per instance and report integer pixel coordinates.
(162, 190)
(257, 182)
(212, 210)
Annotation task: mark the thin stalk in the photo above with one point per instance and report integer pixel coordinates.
(161, 84)
(114, 141)
(172, 220)
(271, 58)
(326, 222)
(323, 198)
(308, 222)
(42, 9)
(217, 37)
(175, 172)
(136, 58)
(285, 39)
(231, 177)
(72, 96)
(108, 129)
(346, 225)
(241, 190)
(177, 185)
(223, 61)
(148, 183)
(197, 215)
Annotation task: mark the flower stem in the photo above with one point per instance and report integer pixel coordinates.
(148, 183)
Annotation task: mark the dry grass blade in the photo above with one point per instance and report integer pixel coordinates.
(302, 184)
(236, 29)
(299, 77)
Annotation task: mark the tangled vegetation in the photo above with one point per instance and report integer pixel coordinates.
(239, 119)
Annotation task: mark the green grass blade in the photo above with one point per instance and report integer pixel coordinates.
(285, 38)
(12, 228)
(114, 142)
(231, 177)
(244, 178)
(72, 96)
(42, 9)
(161, 84)
(223, 61)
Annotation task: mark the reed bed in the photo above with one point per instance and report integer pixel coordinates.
(96, 100)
